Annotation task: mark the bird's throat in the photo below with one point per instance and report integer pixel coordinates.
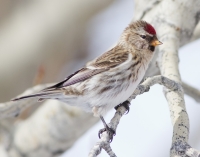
(151, 48)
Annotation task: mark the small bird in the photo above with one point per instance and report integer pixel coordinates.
(110, 79)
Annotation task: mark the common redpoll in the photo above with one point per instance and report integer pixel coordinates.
(111, 78)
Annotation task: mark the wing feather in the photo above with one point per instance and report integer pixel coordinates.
(103, 63)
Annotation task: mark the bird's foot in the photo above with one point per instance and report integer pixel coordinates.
(125, 104)
(109, 131)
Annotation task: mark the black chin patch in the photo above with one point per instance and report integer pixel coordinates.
(152, 48)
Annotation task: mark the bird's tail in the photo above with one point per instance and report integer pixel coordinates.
(40, 95)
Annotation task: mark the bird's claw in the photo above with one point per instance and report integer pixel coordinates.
(125, 104)
(101, 131)
(111, 132)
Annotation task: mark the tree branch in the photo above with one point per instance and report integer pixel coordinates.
(191, 91)
(104, 143)
(174, 31)
(196, 33)
(184, 149)
(168, 63)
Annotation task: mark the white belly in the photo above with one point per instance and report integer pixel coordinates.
(108, 100)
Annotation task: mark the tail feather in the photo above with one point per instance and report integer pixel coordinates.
(39, 95)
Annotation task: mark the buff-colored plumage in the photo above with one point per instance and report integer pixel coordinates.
(111, 78)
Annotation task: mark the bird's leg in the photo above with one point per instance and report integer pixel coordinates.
(125, 104)
(109, 130)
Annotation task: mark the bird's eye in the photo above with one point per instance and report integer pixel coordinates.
(143, 36)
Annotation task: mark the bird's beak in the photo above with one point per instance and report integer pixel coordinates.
(155, 42)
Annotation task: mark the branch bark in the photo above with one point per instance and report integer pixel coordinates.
(169, 19)
(168, 63)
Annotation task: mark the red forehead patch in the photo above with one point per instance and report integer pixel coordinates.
(149, 28)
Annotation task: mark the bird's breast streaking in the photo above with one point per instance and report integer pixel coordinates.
(116, 86)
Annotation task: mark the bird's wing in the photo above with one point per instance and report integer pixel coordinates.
(103, 63)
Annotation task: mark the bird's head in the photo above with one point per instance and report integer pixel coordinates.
(141, 35)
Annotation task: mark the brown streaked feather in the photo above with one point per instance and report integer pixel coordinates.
(82, 75)
(110, 59)
(103, 63)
